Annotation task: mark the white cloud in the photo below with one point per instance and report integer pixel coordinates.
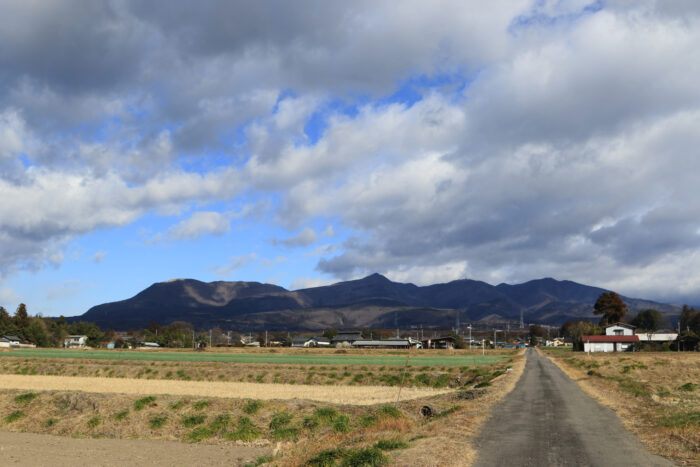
(200, 224)
(308, 282)
(306, 237)
(234, 263)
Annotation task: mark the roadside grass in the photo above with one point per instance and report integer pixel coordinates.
(653, 392)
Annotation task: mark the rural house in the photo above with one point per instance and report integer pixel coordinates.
(75, 342)
(346, 338)
(619, 337)
(445, 342)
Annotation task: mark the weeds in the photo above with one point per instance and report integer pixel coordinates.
(94, 422)
(14, 416)
(25, 399)
(121, 415)
(141, 404)
(200, 405)
(389, 411)
(193, 420)
(157, 421)
(245, 431)
(390, 444)
(252, 406)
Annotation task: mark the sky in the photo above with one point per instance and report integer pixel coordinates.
(303, 143)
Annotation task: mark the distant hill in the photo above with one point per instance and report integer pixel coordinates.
(371, 302)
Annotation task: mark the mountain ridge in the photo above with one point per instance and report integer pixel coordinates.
(372, 301)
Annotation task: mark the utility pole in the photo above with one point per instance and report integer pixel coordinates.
(678, 339)
(266, 338)
(210, 338)
(470, 336)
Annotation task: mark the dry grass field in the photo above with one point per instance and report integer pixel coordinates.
(298, 430)
(656, 394)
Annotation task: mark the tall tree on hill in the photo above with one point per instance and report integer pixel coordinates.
(611, 306)
(21, 316)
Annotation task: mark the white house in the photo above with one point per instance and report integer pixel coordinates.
(618, 337)
(75, 342)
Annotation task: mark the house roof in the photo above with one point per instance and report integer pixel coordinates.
(11, 338)
(382, 343)
(610, 339)
(624, 325)
(345, 336)
(300, 339)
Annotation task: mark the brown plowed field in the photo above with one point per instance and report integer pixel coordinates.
(354, 395)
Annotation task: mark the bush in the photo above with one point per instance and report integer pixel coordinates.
(251, 407)
(141, 404)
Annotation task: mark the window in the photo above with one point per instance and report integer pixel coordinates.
(618, 332)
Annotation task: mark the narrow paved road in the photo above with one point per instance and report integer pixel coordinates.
(549, 421)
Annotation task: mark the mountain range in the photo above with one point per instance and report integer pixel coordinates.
(371, 302)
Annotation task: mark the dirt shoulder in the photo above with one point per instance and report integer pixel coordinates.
(33, 449)
(654, 394)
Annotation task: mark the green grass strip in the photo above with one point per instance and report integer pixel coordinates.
(388, 360)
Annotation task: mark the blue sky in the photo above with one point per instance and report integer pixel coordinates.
(259, 142)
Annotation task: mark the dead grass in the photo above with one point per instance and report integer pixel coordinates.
(646, 390)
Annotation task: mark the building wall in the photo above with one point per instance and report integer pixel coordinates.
(605, 346)
(611, 331)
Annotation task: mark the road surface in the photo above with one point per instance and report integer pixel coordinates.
(547, 420)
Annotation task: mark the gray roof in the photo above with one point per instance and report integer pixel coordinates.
(382, 343)
(347, 336)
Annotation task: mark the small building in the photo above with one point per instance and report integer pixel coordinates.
(322, 341)
(556, 342)
(609, 343)
(302, 341)
(75, 342)
(346, 338)
(445, 342)
(9, 341)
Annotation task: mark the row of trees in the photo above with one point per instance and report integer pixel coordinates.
(46, 332)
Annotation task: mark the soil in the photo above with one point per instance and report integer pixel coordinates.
(355, 395)
(31, 449)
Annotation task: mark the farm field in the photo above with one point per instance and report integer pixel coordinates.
(368, 373)
(428, 358)
(656, 394)
(329, 412)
